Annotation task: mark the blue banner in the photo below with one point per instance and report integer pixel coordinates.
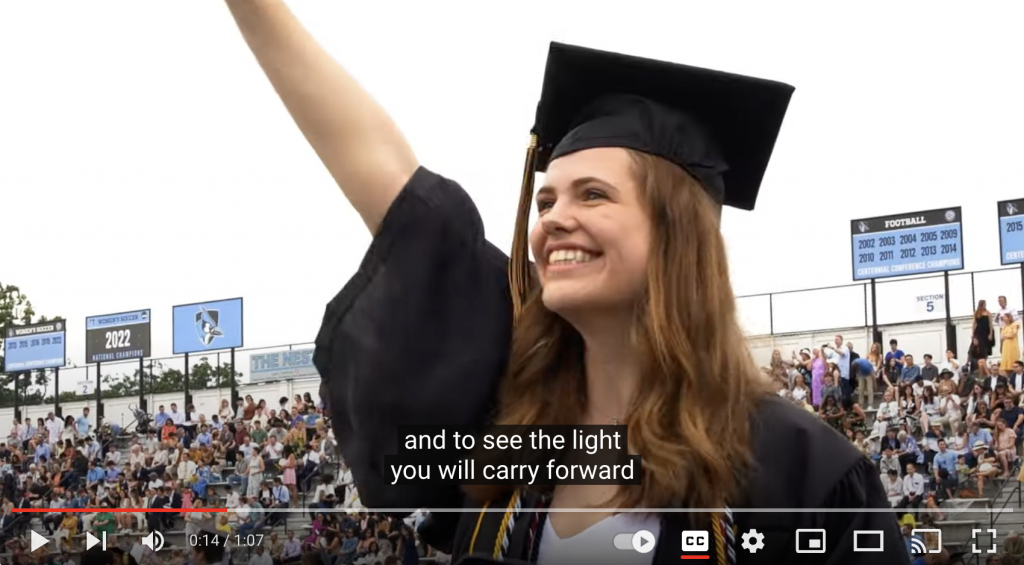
(207, 326)
(37, 346)
(1011, 232)
(281, 365)
(907, 244)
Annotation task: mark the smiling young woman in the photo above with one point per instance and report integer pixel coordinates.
(626, 315)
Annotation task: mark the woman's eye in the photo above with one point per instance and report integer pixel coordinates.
(593, 194)
(544, 204)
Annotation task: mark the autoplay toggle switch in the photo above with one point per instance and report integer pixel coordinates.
(642, 541)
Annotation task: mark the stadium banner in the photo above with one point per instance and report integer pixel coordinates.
(281, 365)
(115, 337)
(207, 326)
(907, 244)
(1011, 231)
(35, 346)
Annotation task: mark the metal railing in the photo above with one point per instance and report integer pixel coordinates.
(849, 305)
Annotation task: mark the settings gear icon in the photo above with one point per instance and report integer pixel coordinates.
(753, 541)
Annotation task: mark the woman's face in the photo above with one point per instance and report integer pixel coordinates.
(592, 238)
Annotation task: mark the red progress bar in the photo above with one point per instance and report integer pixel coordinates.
(98, 510)
(695, 557)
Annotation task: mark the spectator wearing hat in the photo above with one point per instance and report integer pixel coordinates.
(984, 468)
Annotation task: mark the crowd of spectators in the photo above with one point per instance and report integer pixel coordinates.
(936, 431)
(249, 459)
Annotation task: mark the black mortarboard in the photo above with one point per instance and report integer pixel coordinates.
(719, 127)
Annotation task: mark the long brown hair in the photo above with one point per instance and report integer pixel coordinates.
(690, 420)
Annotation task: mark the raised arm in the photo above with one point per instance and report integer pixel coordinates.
(355, 139)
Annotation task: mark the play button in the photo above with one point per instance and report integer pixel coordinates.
(37, 541)
(643, 541)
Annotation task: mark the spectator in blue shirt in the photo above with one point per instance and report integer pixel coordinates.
(95, 474)
(42, 451)
(82, 423)
(112, 472)
(204, 438)
(944, 459)
(160, 418)
(910, 371)
(894, 353)
(979, 433)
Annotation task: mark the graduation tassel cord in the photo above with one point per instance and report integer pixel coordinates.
(476, 529)
(507, 524)
(725, 538)
(519, 258)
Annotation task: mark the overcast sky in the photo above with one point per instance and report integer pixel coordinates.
(146, 162)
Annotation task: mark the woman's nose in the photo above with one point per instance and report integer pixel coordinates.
(559, 218)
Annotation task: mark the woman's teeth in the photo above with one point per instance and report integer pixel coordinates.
(569, 257)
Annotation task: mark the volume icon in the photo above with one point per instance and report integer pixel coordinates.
(154, 541)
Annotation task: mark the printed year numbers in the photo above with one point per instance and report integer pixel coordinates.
(866, 244)
(949, 234)
(1014, 226)
(866, 258)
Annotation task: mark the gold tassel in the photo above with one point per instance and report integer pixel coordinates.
(519, 259)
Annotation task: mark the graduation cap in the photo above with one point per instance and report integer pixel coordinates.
(718, 127)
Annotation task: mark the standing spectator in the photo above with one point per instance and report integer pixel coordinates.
(225, 412)
(842, 360)
(82, 424)
(1005, 310)
(1009, 352)
(894, 353)
(865, 373)
(53, 428)
(950, 364)
(983, 336)
(819, 366)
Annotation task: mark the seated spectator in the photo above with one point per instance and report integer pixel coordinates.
(204, 439)
(1006, 446)
(893, 487)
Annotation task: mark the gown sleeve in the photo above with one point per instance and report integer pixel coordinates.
(861, 488)
(418, 336)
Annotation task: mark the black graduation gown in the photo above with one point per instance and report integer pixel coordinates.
(420, 335)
